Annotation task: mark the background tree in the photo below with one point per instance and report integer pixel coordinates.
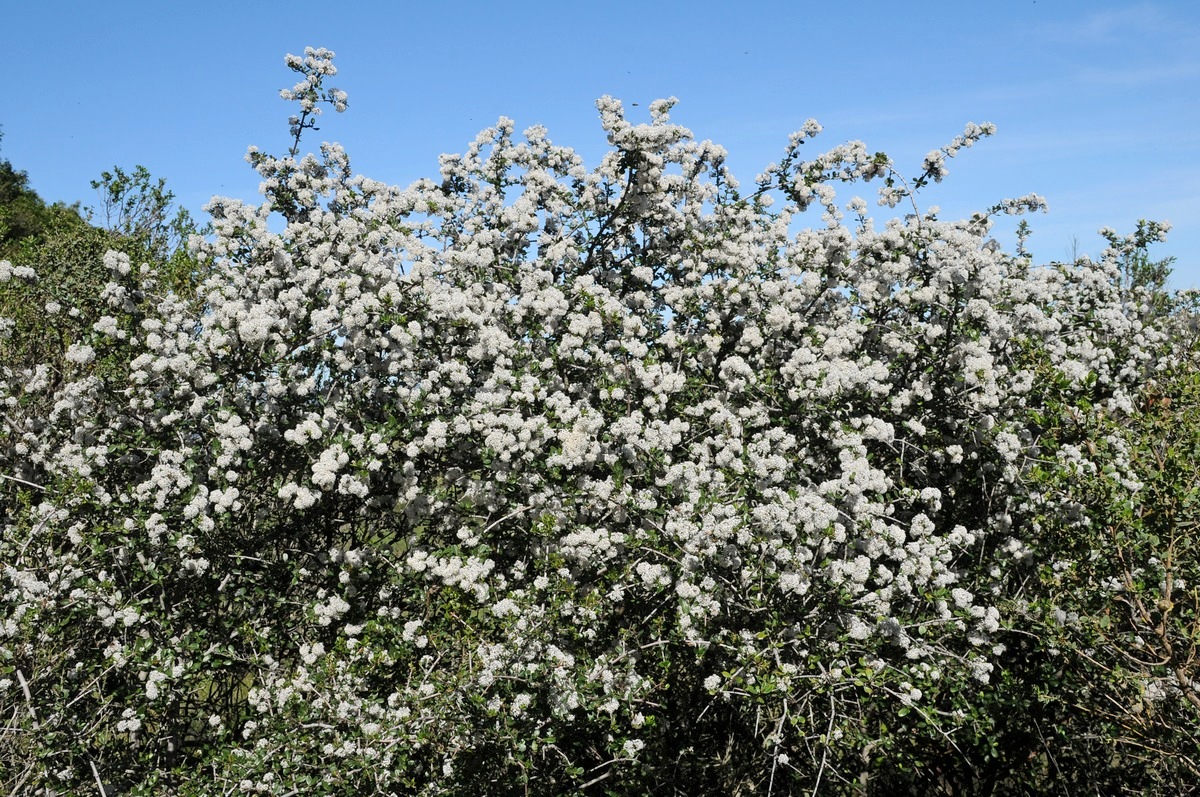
(23, 214)
(60, 283)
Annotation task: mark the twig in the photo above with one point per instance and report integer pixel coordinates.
(22, 481)
(24, 777)
(824, 747)
(96, 775)
(28, 698)
(775, 754)
(596, 780)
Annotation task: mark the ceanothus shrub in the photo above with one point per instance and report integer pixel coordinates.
(541, 479)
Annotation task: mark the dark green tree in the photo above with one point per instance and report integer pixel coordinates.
(24, 215)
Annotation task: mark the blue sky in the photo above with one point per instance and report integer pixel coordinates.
(1097, 103)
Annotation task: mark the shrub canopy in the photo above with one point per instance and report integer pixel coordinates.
(541, 479)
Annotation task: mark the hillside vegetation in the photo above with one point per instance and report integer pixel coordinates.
(541, 479)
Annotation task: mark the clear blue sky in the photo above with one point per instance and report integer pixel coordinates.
(1097, 103)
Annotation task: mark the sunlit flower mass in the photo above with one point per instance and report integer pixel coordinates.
(540, 473)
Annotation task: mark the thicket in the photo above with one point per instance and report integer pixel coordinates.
(532, 479)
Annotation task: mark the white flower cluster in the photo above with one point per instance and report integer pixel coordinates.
(316, 64)
(557, 423)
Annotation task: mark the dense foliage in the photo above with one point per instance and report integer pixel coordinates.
(539, 480)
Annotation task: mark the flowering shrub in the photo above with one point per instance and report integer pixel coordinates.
(537, 479)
